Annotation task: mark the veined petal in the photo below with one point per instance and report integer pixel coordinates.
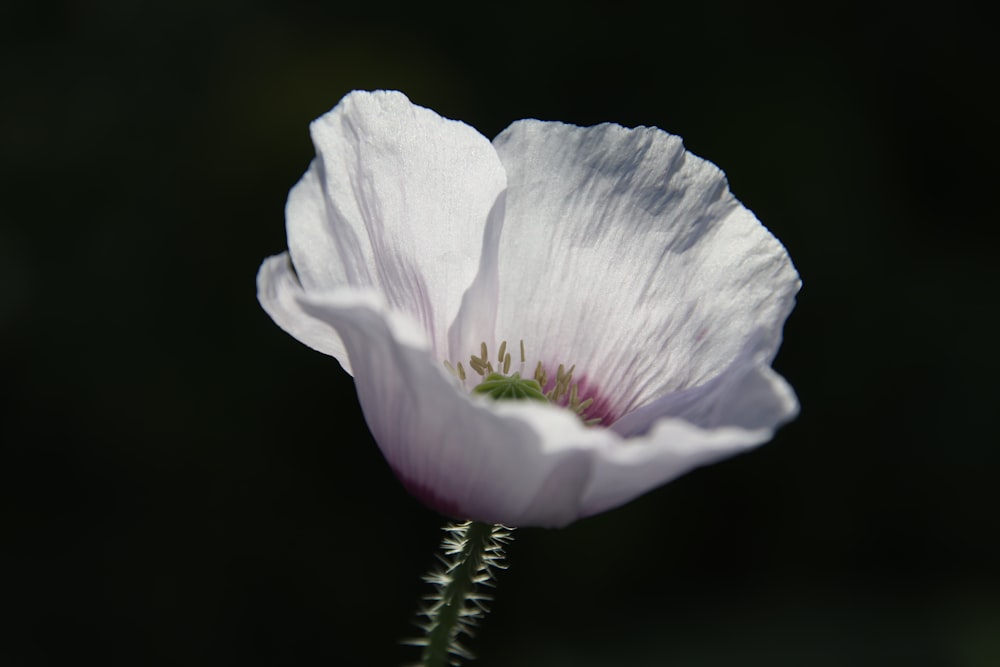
(278, 290)
(748, 395)
(738, 409)
(397, 200)
(585, 207)
(516, 463)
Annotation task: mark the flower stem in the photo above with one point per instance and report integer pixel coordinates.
(472, 551)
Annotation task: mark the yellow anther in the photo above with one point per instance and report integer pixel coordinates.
(477, 365)
(564, 391)
(540, 374)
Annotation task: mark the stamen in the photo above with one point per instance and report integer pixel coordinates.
(540, 374)
(562, 383)
(564, 392)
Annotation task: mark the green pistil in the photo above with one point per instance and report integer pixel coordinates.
(498, 385)
(510, 387)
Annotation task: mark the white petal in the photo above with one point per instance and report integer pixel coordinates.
(397, 199)
(516, 463)
(629, 257)
(672, 448)
(278, 289)
(736, 410)
(747, 395)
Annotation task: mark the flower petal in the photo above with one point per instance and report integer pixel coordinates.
(747, 395)
(278, 289)
(736, 410)
(397, 199)
(585, 206)
(516, 463)
(671, 449)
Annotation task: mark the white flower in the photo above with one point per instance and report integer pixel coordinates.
(413, 240)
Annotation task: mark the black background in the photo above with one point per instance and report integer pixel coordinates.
(184, 484)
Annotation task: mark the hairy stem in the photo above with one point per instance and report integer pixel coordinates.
(472, 550)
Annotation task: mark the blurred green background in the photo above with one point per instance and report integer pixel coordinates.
(184, 484)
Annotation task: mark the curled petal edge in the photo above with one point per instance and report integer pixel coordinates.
(278, 289)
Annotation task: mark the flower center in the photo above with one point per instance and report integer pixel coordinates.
(500, 384)
(509, 387)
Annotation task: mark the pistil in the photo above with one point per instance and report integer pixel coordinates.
(498, 382)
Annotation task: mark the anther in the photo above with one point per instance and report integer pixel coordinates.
(540, 374)
(499, 383)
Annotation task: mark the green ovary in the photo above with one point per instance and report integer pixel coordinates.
(510, 387)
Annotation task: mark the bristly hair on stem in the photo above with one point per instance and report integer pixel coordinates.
(471, 552)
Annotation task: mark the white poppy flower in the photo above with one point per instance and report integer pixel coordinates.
(415, 241)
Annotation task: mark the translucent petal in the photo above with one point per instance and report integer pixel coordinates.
(520, 463)
(672, 448)
(397, 199)
(278, 289)
(738, 409)
(517, 463)
(628, 256)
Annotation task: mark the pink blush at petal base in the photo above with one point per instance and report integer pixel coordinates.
(429, 497)
(601, 408)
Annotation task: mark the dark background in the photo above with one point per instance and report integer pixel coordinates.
(184, 484)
